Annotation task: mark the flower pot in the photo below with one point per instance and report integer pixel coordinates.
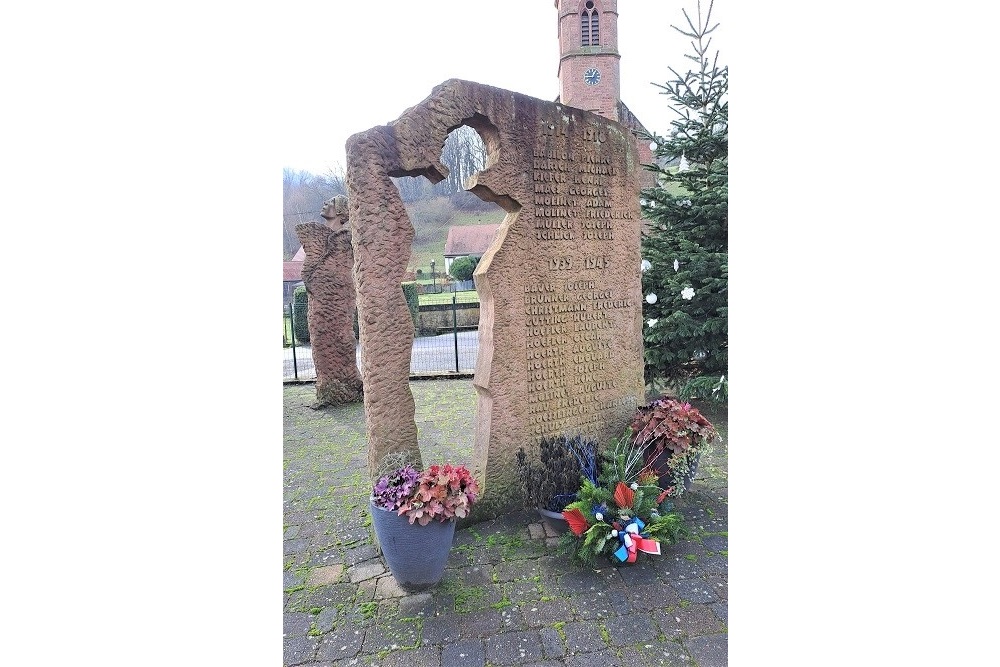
(554, 520)
(667, 480)
(416, 555)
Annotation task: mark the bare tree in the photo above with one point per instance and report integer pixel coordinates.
(304, 194)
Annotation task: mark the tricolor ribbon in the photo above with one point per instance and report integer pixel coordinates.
(632, 541)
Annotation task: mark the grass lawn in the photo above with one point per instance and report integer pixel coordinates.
(470, 296)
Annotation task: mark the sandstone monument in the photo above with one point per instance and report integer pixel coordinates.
(560, 345)
(327, 274)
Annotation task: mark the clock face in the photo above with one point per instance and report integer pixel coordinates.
(592, 76)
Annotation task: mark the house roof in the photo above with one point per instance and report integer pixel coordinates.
(469, 239)
(293, 272)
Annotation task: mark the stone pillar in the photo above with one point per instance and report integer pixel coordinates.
(327, 274)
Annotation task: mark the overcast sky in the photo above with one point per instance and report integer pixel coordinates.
(362, 64)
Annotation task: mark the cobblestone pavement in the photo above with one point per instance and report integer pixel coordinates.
(506, 598)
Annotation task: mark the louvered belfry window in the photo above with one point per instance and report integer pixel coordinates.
(590, 29)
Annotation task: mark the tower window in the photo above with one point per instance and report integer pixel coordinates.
(590, 29)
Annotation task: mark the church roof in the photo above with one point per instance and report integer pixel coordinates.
(292, 272)
(469, 239)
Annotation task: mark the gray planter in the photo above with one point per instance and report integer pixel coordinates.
(554, 520)
(416, 555)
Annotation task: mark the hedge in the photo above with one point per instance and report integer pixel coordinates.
(300, 309)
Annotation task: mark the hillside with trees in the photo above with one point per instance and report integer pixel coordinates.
(432, 208)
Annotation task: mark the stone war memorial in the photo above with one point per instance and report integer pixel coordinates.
(560, 340)
(326, 272)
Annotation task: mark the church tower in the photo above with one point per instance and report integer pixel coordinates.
(589, 68)
(588, 56)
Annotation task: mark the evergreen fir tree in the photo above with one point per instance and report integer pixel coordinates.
(685, 240)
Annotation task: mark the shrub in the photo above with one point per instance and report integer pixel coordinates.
(300, 301)
(552, 484)
(463, 268)
(413, 302)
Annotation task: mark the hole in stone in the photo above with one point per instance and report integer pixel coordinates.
(434, 210)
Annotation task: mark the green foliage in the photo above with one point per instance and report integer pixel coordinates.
(686, 240)
(300, 309)
(463, 268)
(412, 297)
(611, 503)
(706, 387)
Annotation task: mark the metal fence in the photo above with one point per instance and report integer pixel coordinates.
(447, 352)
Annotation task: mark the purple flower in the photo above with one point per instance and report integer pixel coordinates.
(394, 489)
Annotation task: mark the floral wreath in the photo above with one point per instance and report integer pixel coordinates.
(621, 513)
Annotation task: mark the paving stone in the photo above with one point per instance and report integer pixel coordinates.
(292, 532)
(310, 530)
(296, 623)
(299, 650)
(329, 596)
(601, 604)
(511, 648)
(440, 630)
(478, 623)
(631, 629)
(709, 650)
(517, 570)
(551, 542)
(540, 613)
(465, 653)
(693, 620)
(588, 581)
(329, 574)
(519, 592)
(388, 587)
(391, 636)
(535, 531)
(511, 618)
(716, 542)
(324, 558)
(583, 637)
(714, 565)
(326, 619)
(473, 576)
(721, 610)
(605, 658)
(292, 579)
(694, 590)
(367, 570)
(344, 643)
(460, 559)
(661, 654)
(295, 546)
(552, 643)
(298, 601)
(417, 657)
(528, 550)
(359, 554)
(656, 594)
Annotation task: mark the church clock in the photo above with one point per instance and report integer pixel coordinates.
(592, 76)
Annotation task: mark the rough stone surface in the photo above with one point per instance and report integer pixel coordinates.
(327, 274)
(560, 344)
(328, 574)
(710, 650)
(511, 648)
(465, 653)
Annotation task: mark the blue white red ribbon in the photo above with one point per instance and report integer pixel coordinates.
(632, 541)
